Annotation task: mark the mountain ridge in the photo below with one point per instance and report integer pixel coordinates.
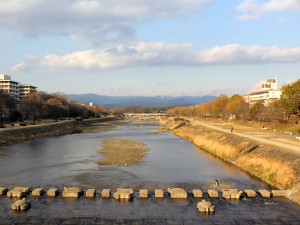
(148, 101)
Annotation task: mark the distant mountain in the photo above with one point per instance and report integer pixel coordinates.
(125, 101)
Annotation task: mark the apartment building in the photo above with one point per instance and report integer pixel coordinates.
(14, 88)
(268, 93)
(25, 89)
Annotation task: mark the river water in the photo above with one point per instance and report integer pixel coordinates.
(70, 160)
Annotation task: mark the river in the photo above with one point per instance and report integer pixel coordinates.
(70, 160)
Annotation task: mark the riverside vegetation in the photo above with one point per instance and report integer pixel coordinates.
(278, 167)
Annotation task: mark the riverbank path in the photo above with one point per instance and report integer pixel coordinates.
(260, 139)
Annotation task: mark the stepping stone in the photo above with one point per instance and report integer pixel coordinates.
(280, 193)
(105, 193)
(37, 192)
(144, 193)
(213, 193)
(18, 192)
(21, 205)
(205, 206)
(90, 193)
(197, 193)
(264, 193)
(52, 192)
(3, 190)
(72, 192)
(177, 193)
(159, 193)
(231, 193)
(123, 193)
(250, 193)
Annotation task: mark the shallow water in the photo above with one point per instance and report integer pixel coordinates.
(71, 161)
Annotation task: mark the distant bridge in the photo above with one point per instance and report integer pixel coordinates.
(145, 114)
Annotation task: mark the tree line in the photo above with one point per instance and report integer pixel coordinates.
(41, 105)
(286, 107)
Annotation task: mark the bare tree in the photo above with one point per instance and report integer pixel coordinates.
(7, 105)
(33, 106)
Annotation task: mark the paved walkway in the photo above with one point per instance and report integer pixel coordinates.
(260, 139)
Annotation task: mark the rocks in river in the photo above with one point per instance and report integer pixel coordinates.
(231, 193)
(3, 190)
(105, 193)
(264, 193)
(37, 192)
(71, 192)
(197, 193)
(18, 192)
(213, 193)
(22, 204)
(280, 193)
(205, 206)
(250, 193)
(52, 192)
(90, 193)
(177, 193)
(159, 193)
(144, 193)
(123, 193)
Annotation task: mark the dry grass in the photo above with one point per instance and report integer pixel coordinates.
(121, 152)
(217, 148)
(278, 167)
(221, 145)
(273, 171)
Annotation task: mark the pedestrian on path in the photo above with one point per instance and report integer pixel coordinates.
(231, 130)
(217, 186)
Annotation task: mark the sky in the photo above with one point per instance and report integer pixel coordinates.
(150, 47)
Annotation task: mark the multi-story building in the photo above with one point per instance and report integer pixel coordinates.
(9, 86)
(14, 88)
(268, 93)
(25, 89)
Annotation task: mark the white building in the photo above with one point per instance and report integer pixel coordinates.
(14, 88)
(25, 89)
(268, 93)
(8, 86)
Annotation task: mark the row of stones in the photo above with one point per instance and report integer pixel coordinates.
(74, 192)
(121, 193)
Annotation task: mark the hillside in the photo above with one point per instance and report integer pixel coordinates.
(125, 101)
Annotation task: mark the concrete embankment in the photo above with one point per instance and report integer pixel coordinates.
(276, 166)
(14, 135)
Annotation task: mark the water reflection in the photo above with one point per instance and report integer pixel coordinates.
(171, 162)
(71, 159)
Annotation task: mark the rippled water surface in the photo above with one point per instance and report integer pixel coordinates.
(71, 161)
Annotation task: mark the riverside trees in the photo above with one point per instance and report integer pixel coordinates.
(41, 105)
(290, 99)
(236, 107)
(7, 106)
(221, 107)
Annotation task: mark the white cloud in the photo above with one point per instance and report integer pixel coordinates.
(162, 54)
(251, 9)
(90, 19)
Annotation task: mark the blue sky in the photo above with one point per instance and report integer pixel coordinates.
(150, 47)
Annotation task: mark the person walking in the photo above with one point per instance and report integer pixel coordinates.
(217, 185)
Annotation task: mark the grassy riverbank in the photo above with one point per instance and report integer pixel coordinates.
(276, 166)
(20, 134)
(122, 152)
